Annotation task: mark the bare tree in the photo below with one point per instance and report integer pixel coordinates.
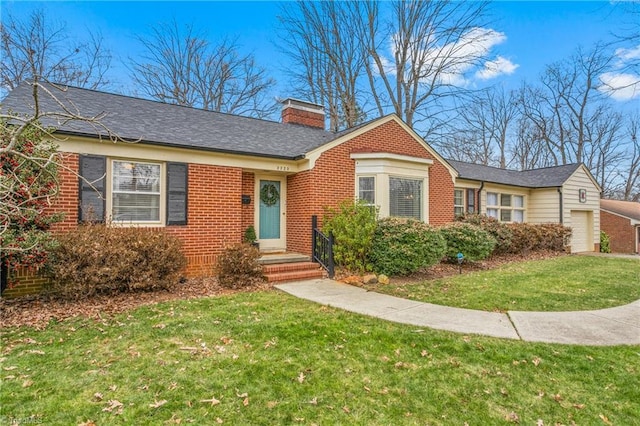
(487, 117)
(186, 69)
(38, 49)
(432, 44)
(568, 104)
(631, 175)
(528, 150)
(320, 38)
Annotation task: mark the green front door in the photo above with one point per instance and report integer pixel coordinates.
(271, 213)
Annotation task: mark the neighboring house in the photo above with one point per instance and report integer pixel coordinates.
(206, 176)
(564, 194)
(620, 220)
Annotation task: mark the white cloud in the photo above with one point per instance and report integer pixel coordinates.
(454, 60)
(628, 54)
(497, 67)
(620, 86)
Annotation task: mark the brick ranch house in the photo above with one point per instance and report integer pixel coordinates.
(205, 176)
(621, 221)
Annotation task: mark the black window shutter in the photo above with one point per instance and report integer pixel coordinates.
(177, 184)
(471, 200)
(93, 170)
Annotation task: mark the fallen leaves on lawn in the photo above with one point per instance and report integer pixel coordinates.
(512, 417)
(157, 404)
(605, 419)
(301, 377)
(212, 401)
(38, 311)
(114, 404)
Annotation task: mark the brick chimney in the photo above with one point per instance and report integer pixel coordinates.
(304, 113)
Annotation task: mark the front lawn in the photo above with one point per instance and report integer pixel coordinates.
(566, 283)
(268, 358)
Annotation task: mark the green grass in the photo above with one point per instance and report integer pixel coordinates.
(567, 283)
(269, 358)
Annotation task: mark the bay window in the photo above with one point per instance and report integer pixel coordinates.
(367, 189)
(405, 197)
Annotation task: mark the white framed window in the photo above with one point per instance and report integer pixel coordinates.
(505, 207)
(464, 201)
(405, 197)
(458, 202)
(135, 191)
(367, 189)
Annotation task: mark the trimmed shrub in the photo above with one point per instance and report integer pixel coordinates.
(102, 259)
(403, 246)
(498, 230)
(605, 243)
(530, 237)
(352, 224)
(470, 240)
(238, 267)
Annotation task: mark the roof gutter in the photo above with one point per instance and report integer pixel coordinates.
(170, 145)
(560, 204)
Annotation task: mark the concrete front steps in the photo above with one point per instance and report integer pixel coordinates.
(283, 267)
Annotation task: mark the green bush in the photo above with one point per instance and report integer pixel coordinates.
(102, 259)
(352, 224)
(605, 243)
(498, 230)
(403, 246)
(470, 240)
(238, 267)
(249, 235)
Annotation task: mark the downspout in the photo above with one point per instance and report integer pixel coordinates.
(561, 207)
(480, 195)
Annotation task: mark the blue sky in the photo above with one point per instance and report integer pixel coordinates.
(527, 35)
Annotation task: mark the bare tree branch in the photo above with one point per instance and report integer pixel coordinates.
(38, 49)
(186, 69)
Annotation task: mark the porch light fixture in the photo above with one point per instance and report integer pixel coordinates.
(246, 199)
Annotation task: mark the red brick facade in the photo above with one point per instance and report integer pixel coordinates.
(622, 235)
(217, 217)
(294, 115)
(333, 180)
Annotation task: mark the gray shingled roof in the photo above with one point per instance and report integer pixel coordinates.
(172, 125)
(536, 178)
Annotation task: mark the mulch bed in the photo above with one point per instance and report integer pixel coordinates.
(39, 310)
(442, 270)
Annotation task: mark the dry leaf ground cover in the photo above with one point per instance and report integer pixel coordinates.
(561, 283)
(268, 358)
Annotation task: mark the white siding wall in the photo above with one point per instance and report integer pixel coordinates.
(570, 195)
(544, 206)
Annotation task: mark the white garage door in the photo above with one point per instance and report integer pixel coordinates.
(581, 236)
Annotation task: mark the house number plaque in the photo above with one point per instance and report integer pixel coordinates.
(582, 195)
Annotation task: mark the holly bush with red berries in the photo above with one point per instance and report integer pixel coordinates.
(28, 183)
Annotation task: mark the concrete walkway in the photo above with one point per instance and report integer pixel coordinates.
(604, 327)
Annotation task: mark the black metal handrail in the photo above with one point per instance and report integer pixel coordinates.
(322, 247)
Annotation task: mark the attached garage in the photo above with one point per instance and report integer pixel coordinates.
(566, 194)
(582, 231)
